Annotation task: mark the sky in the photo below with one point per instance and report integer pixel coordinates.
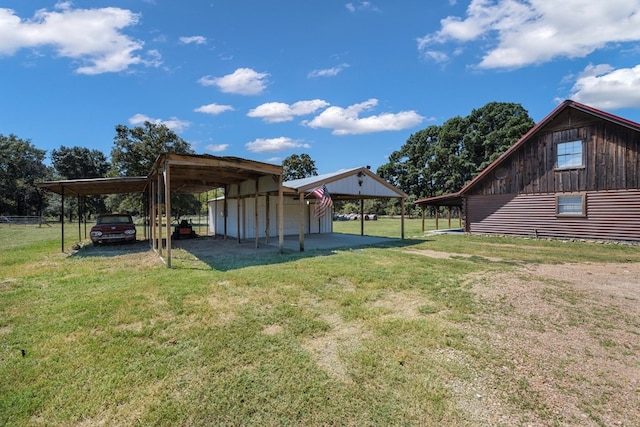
(346, 82)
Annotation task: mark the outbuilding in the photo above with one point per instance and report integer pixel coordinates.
(243, 214)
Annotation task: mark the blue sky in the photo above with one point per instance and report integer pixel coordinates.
(346, 82)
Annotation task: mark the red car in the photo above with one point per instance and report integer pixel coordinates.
(113, 228)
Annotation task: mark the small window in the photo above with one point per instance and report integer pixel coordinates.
(569, 155)
(571, 205)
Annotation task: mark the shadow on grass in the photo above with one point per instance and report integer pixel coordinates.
(209, 253)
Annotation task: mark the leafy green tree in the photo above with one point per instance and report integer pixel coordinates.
(81, 163)
(21, 165)
(136, 149)
(298, 166)
(442, 159)
(407, 168)
(134, 153)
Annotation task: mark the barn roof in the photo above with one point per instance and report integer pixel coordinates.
(347, 184)
(455, 199)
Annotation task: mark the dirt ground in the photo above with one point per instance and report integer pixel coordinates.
(567, 338)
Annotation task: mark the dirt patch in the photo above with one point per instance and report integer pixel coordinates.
(445, 255)
(328, 349)
(565, 339)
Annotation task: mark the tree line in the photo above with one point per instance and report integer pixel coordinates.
(433, 161)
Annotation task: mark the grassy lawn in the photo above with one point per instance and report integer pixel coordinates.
(342, 337)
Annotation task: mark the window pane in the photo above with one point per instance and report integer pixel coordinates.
(569, 154)
(570, 205)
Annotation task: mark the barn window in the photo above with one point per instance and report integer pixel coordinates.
(569, 155)
(571, 205)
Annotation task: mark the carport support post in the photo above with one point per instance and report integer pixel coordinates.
(62, 217)
(280, 215)
(402, 218)
(362, 217)
(79, 220)
(167, 203)
(301, 219)
(422, 215)
(255, 214)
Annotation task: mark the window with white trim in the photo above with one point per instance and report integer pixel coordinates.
(571, 205)
(569, 155)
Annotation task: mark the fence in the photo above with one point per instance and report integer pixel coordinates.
(33, 220)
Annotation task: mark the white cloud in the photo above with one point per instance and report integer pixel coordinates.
(277, 112)
(193, 39)
(216, 148)
(602, 86)
(92, 36)
(213, 109)
(346, 121)
(274, 144)
(243, 81)
(328, 72)
(362, 5)
(537, 31)
(174, 123)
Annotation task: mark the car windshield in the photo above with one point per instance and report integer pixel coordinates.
(114, 219)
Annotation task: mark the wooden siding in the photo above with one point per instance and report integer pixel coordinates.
(611, 155)
(611, 215)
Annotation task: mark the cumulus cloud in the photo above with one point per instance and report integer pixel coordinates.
(347, 121)
(602, 86)
(243, 81)
(536, 31)
(193, 39)
(328, 72)
(274, 144)
(213, 109)
(173, 123)
(216, 148)
(93, 37)
(278, 112)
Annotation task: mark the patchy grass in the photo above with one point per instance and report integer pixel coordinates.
(377, 336)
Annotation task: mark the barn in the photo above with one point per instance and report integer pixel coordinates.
(576, 174)
(245, 214)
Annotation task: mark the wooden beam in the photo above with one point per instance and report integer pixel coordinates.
(402, 218)
(280, 215)
(255, 214)
(301, 214)
(361, 217)
(167, 203)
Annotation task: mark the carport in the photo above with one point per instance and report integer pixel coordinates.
(181, 173)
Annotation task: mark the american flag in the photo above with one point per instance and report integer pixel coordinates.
(323, 201)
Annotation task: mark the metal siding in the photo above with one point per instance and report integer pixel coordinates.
(611, 215)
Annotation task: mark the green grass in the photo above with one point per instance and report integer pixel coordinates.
(309, 340)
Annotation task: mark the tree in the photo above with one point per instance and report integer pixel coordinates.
(81, 163)
(134, 153)
(407, 167)
(442, 159)
(298, 166)
(21, 165)
(135, 150)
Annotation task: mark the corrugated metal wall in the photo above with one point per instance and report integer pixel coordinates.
(610, 215)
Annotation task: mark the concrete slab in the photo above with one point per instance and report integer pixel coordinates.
(330, 241)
